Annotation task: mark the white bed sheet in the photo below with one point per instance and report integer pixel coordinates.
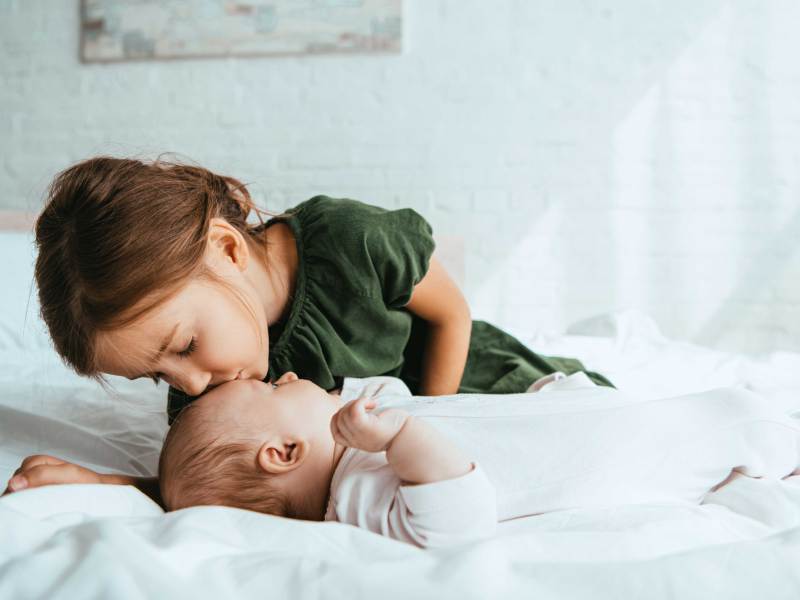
(113, 542)
(211, 552)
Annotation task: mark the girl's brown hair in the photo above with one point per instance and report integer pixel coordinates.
(119, 236)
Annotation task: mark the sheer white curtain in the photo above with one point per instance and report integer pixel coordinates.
(681, 192)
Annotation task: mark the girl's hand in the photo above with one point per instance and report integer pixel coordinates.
(41, 469)
(355, 426)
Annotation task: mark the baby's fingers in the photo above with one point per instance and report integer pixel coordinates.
(348, 426)
(354, 409)
(357, 411)
(336, 429)
(372, 390)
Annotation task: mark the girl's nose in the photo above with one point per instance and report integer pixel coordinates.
(195, 383)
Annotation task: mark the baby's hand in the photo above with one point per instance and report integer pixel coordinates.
(354, 425)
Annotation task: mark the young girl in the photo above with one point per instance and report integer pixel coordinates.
(152, 270)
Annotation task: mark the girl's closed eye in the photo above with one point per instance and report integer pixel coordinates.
(189, 349)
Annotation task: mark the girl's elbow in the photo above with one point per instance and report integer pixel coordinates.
(464, 317)
(460, 313)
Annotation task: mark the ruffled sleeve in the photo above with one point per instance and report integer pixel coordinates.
(400, 244)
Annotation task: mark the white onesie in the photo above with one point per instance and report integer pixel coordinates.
(556, 450)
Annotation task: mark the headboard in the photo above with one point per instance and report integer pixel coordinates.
(16, 220)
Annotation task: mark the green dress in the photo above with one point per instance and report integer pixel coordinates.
(357, 267)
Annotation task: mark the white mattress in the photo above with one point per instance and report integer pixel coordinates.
(113, 542)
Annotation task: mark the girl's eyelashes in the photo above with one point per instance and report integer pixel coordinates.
(156, 377)
(189, 349)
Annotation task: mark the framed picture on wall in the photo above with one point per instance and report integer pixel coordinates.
(113, 30)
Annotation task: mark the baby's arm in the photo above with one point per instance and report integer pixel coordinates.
(442, 499)
(416, 451)
(420, 454)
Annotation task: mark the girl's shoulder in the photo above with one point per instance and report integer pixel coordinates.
(329, 210)
(329, 206)
(378, 251)
(352, 220)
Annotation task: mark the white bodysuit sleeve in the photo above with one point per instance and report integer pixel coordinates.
(367, 493)
(444, 513)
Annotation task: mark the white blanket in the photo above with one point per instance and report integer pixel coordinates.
(648, 552)
(558, 450)
(112, 541)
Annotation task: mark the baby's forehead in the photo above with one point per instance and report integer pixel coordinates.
(241, 390)
(208, 419)
(232, 398)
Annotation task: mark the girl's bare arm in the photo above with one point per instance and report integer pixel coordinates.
(437, 299)
(146, 485)
(42, 469)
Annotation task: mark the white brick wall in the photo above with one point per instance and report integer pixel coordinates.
(594, 156)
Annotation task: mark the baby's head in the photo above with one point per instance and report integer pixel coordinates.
(253, 445)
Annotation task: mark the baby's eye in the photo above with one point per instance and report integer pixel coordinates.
(189, 349)
(274, 385)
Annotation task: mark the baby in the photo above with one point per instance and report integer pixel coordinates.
(436, 471)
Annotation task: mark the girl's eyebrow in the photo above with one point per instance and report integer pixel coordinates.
(161, 349)
(165, 344)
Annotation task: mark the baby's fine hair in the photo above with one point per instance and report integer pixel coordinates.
(197, 468)
(119, 236)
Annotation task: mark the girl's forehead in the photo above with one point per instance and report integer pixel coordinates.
(121, 354)
(144, 330)
(196, 299)
(159, 311)
(132, 347)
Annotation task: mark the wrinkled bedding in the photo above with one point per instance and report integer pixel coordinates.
(113, 542)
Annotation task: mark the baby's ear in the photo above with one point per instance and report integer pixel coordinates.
(281, 456)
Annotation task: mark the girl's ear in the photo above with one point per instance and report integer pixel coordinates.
(226, 245)
(282, 456)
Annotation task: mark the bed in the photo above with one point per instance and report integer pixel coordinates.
(113, 542)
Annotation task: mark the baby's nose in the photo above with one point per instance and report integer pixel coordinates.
(287, 377)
